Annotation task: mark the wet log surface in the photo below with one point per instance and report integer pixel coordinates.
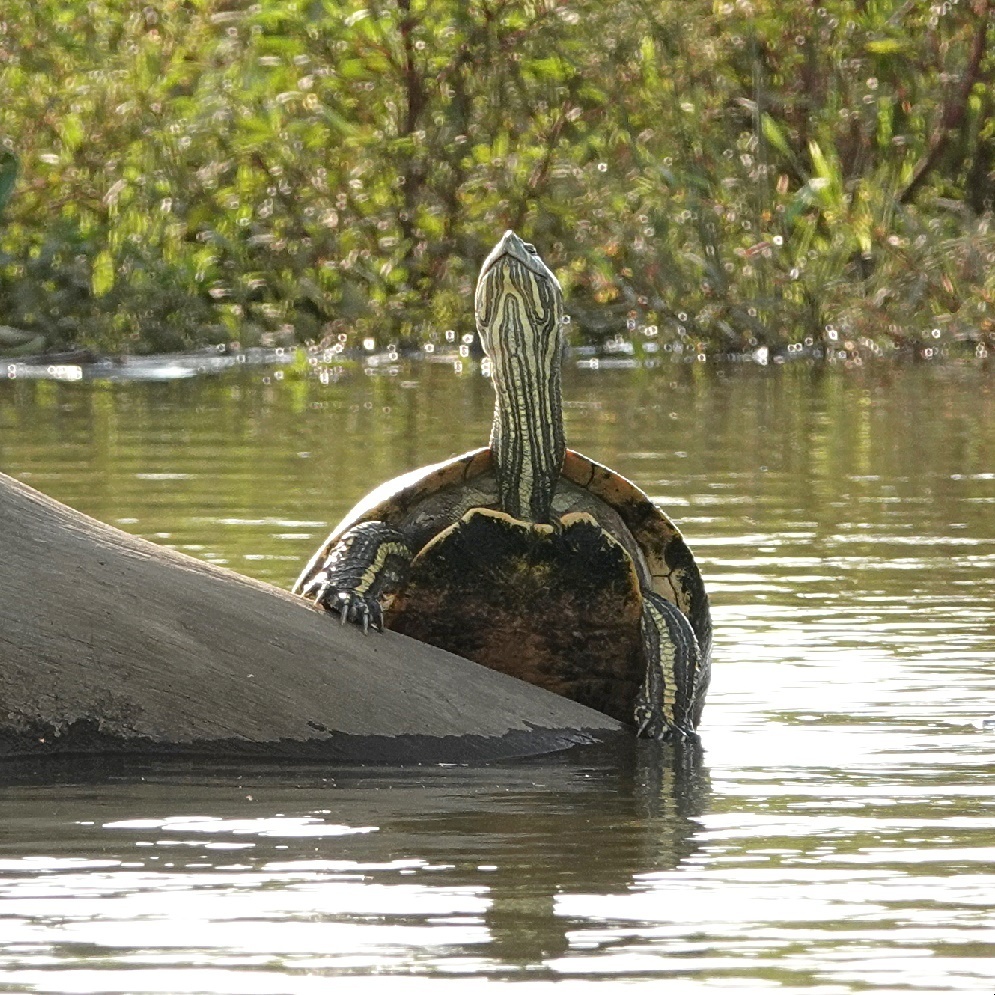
(112, 645)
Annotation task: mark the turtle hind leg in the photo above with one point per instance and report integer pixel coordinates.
(665, 707)
(369, 562)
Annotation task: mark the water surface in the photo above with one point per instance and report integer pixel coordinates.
(838, 834)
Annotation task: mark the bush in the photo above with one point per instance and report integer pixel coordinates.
(726, 176)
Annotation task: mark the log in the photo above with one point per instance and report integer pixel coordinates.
(110, 644)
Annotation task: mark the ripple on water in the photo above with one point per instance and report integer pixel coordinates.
(838, 835)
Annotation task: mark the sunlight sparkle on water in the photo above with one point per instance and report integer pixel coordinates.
(837, 835)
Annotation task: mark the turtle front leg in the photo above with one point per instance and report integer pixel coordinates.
(368, 563)
(665, 706)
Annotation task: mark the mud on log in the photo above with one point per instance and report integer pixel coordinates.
(111, 644)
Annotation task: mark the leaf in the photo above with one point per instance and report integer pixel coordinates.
(648, 56)
(352, 69)
(885, 46)
(827, 183)
(102, 276)
(549, 68)
(8, 175)
(773, 133)
(72, 132)
(822, 168)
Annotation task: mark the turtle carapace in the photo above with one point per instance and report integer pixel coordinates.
(525, 556)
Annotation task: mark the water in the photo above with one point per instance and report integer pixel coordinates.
(839, 834)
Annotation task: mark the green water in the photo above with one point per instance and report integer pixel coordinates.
(840, 837)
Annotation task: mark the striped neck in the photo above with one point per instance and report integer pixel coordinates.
(519, 309)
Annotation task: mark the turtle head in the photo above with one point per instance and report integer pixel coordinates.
(517, 289)
(519, 312)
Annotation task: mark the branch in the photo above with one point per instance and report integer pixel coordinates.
(955, 109)
(110, 644)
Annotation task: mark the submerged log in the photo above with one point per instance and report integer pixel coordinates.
(112, 645)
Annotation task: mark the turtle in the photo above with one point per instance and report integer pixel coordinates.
(524, 555)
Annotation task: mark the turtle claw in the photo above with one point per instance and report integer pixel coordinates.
(348, 605)
(367, 563)
(652, 724)
(365, 612)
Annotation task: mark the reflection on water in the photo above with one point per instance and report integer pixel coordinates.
(445, 870)
(839, 833)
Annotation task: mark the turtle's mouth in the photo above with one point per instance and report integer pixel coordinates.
(514, 268)
(518, 303)
(513, 247)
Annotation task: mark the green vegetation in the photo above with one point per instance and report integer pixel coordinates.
(719, 175)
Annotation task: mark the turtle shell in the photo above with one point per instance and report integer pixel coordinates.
(559, 608)
(669, 562)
